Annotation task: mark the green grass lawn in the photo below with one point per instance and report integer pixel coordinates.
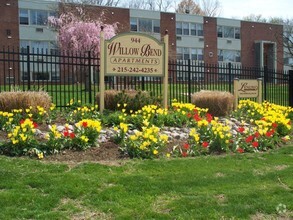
(242, 186)
(61, 94)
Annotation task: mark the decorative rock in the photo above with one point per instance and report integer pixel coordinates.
(38, 132)
(60, 128)
(103, 139)
(107, 134)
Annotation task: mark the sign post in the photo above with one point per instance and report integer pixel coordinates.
(102, 71)
(133, 54)
(166, 75)
(247, 88)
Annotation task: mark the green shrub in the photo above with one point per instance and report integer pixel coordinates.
(218, 103)
(130, 100)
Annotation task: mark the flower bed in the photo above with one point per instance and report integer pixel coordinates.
(252, 127)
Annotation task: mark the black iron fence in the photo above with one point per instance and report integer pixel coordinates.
(67, 76)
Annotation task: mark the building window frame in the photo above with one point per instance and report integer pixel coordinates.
(193, 53)
(23, 16)
(34, 16)
(150, 25)
(38, 17)
(228, 32)
(189, 28)
(228, 56)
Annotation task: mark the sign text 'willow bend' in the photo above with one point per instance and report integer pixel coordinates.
(134, 55)
(146, 50)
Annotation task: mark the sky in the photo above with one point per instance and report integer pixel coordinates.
(238, 9)
(267, 8)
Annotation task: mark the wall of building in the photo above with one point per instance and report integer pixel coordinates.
(9, 25)
(9, 39)
(210, 43)
(252, 32)
(168, 23)
(188, 41)
(210, 40)
(229, 44)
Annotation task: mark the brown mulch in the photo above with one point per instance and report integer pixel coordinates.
(107, 153)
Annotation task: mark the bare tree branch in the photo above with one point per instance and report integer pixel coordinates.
(113, 3)
(211, 8)
(189, 7)
(253, 17)
(136, 4)
(288, 37)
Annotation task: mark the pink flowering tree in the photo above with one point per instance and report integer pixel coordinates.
(78, 35)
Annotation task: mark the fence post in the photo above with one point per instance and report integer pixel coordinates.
(230, 76)
(142, 84)
(89, 77)
(189, 80)
(28, 68)
(265, 81)
(291, 88)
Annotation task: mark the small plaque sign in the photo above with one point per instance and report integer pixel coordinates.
(247, 88)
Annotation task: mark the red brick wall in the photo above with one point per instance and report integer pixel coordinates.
(168, 22)
(210, 40)
(110, 15)
(251, 32)
(115, 15)
(9, 21)
(9, 26)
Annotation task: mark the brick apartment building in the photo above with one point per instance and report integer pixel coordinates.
(207, 39)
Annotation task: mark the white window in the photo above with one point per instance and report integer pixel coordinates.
(145, 25)
(23, 46)
(156, 26)
(53, 48)
(185, 53)
(193, 53)
(38, 17)
(179, 53)
(199, 29)
(40, 46)
(193, 29)
(199, 54)
(133, 24)
(23, 16)
(185, 28)
(237, 33)
(228, 32)
(229, 56)
(220, 31)
(179, 28)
